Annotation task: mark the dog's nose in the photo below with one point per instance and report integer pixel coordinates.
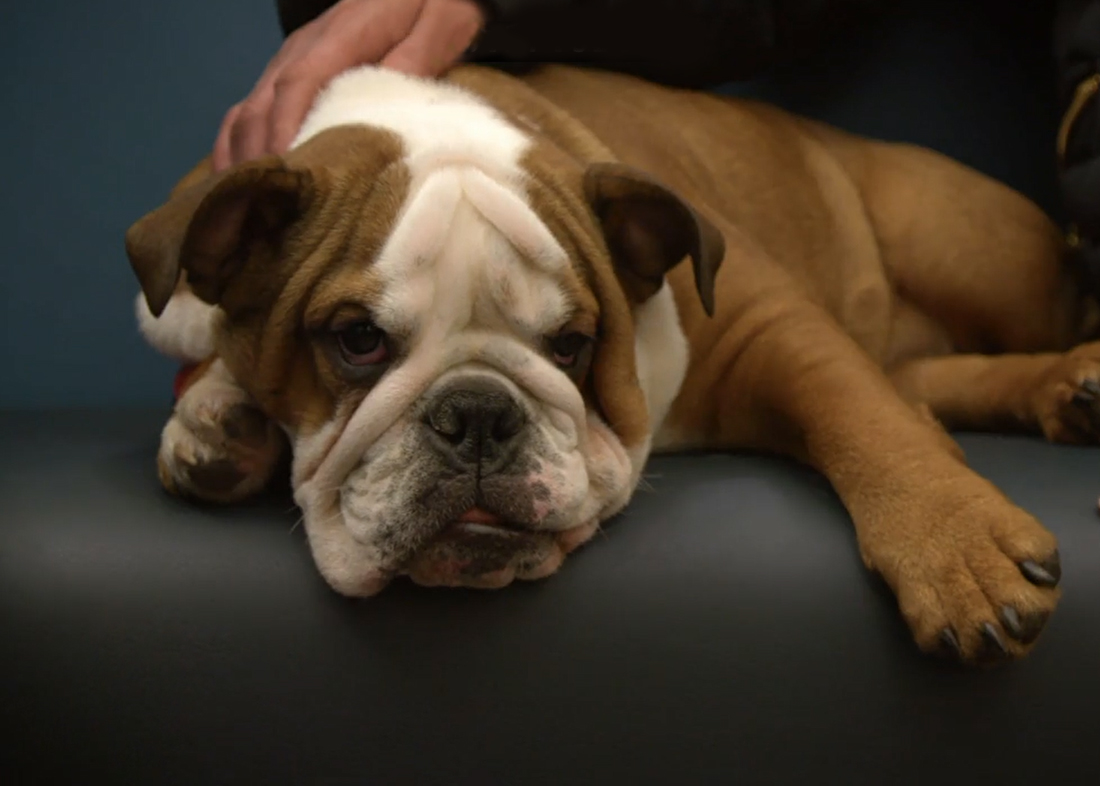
(477, 422)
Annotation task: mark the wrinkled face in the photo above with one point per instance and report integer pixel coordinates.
(460, 449)
(451, 350)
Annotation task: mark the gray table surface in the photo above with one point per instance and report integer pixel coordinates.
(721, 630)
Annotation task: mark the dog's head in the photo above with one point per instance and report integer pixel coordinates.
(450, 347)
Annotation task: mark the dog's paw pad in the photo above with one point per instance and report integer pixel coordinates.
(218, 447)
(246, 426)
(216, 477)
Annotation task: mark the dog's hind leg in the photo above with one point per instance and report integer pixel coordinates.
(1053, 394)
(969, 252)
(218, 446)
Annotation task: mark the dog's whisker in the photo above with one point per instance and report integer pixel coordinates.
(324, 522)
(645, 485)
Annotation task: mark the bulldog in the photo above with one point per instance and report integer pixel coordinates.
(468, 309)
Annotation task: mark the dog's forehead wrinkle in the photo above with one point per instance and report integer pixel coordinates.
(507, 208)
(458, 273)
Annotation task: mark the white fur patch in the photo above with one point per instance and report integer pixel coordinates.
(439, 124)
(662, 353)
(184, 331)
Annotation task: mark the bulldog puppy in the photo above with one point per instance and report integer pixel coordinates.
(472, 307)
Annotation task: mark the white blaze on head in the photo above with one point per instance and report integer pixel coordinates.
(437, 123)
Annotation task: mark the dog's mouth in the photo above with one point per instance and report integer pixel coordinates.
(482, 549)
(480, 522)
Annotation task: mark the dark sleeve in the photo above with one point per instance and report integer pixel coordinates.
(296, 13)
(1077, 53)
(691, 43)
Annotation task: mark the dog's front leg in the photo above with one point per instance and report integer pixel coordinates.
(218, 446)
(975, 576)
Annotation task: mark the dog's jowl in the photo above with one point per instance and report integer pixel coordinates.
(468, 310)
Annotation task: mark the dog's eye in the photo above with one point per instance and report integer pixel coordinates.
(362, 344)
(567, 348)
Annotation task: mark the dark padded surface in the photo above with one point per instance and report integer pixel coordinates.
(723, 630)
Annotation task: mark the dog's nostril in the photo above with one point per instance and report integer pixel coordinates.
(508, 423)
(476, 419)
(448, 424)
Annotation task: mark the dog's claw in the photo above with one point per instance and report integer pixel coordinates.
(993, 647)
(949, 644)
(1083, 400)
(1024, 629)
(1087, 400)
(1010, 619)
(1047, 574)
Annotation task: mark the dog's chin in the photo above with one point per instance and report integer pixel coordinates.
(483, 552)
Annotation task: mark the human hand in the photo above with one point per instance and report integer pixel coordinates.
(419, 37)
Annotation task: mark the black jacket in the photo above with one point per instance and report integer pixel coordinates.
(688, 43)
(1077, 48)
(700, 43)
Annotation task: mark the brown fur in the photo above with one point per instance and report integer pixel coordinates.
(553, 192)
(363, 187)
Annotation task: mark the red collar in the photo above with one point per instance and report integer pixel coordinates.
(183, 379)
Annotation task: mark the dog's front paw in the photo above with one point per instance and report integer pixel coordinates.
(977, 585)
(217, 446)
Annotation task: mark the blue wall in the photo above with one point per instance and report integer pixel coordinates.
(106, 104)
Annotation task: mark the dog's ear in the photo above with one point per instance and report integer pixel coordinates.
(209, 228)
(649, 230)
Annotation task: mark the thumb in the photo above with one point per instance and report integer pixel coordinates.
(441, 34)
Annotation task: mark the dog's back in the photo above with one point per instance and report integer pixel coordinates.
(911, 252)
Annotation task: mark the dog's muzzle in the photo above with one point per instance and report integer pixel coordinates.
(482, 436)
